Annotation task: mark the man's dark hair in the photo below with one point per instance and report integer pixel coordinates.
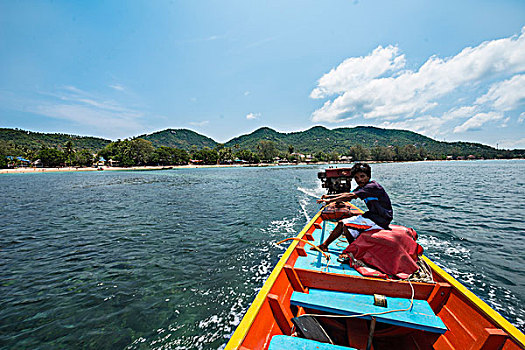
(362, 168)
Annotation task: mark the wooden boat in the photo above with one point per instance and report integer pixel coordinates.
(441, 314)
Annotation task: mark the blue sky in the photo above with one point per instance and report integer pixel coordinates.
(451, 70)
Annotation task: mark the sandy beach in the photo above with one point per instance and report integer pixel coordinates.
(49, 170)
(135, 168)
(193, 166)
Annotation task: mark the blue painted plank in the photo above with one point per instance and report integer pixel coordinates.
(314, 260)
(420, 316)
(420, 306)
(284, 342)
(311, 262)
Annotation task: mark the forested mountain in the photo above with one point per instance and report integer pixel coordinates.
(179, 138)
(250, 141)
(382, 143)
(321, 139)
(36, 140)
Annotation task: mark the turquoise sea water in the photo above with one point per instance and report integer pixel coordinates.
(172, 259)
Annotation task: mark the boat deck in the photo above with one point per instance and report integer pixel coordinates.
(315, 261)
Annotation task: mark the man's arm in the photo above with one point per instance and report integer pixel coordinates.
(343, 197)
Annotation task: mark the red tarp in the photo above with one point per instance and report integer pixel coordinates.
(393, 252)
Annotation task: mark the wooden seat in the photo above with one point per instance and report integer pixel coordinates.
(420, 316)
(285, 342)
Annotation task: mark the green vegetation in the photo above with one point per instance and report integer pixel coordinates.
(141, 152)
(206, 155)
(179, 138)
(267, 150)
(170, 156)
(36, 140)
(346, 141)
(247, 156)
(52, 157)
(179, 146)
(128, 152)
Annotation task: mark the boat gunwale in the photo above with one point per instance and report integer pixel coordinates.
(514, 333)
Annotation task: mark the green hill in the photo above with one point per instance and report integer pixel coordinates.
(340, 140)
(322, 139)
(179, 138)
(36, 140)
(250, 141)
(311, 141)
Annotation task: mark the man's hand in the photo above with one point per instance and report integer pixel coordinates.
(323, 198)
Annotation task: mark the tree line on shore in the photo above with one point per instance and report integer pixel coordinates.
(139, 152)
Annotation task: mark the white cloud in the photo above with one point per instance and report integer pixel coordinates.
(477, 121)
(426, 124)
(246, 93)
(357, 70)
(251, 116)
(90, 112)
(460, 112)
(201, 123)
(519, 143)
(70, 103)
(506, 95)
(74, 90)
(212, 37)
(521, 118)
(379, 87)
(117, 87)
(106, 119)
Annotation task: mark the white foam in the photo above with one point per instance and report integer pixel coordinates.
(315, 192)
(284, 225)
(303, 202)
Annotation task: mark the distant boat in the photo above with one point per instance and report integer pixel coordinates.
(308, 302)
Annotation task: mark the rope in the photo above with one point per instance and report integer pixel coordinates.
(341, 242)
(427, 269)
(305, 241)
(327, 256)
(423, 273)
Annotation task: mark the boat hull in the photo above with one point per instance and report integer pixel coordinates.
(470, 322)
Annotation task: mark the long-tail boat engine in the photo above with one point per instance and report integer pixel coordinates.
(336, 180)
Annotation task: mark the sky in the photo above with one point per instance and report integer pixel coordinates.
(450, 70)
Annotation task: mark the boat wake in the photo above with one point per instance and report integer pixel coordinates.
(310, 193)
(316, 192)
(303, 202)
